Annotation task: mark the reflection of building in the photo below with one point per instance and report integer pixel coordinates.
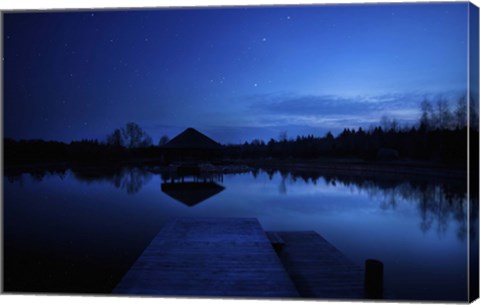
(191, 189)
(191, 145)
(192, 192)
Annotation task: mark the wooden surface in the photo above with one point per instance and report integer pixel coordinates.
(318, 269)
(209, 257)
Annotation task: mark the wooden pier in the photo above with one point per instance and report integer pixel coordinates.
(209, 257)
(316, 267)
(234, 257)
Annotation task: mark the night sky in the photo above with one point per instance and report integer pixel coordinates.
(235, 74)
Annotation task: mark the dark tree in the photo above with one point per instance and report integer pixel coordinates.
(130, 136)
(460, 113)
(444, 117)
(426, 118)
(135, 137)
(116, 138)
(163, 140)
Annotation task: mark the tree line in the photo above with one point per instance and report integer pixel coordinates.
(126, 143)
(440, 135)
(376, 144)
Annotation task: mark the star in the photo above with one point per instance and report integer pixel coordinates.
(264, 39)
(255, 85)
(288, 17)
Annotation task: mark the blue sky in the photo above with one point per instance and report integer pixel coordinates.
(235, 74)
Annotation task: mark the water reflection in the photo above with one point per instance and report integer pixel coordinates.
(37, 174)
(437, 202)
(128, 179)
(191, 189)
(191, 193)
(417, 225)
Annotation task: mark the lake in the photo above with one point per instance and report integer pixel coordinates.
(75, 232)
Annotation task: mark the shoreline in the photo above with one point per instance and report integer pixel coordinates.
(333, 166)
(360, 167)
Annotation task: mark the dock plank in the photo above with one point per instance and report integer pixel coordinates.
(209, 257)
(318, 269)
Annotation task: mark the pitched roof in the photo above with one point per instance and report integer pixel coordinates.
(192, 138)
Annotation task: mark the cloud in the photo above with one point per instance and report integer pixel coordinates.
(265, 116)
(301, 105)
(336, 112)
(331, 104)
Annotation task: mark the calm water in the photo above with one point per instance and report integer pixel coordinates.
(80, 232)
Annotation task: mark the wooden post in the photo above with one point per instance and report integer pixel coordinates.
(373, 279)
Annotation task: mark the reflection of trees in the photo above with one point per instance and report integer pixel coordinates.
(270, 173)
(255, 172)
(438, 202)
(474, 221)
(37, 174)
(130, 180)
(15, 178)
(283, 183)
